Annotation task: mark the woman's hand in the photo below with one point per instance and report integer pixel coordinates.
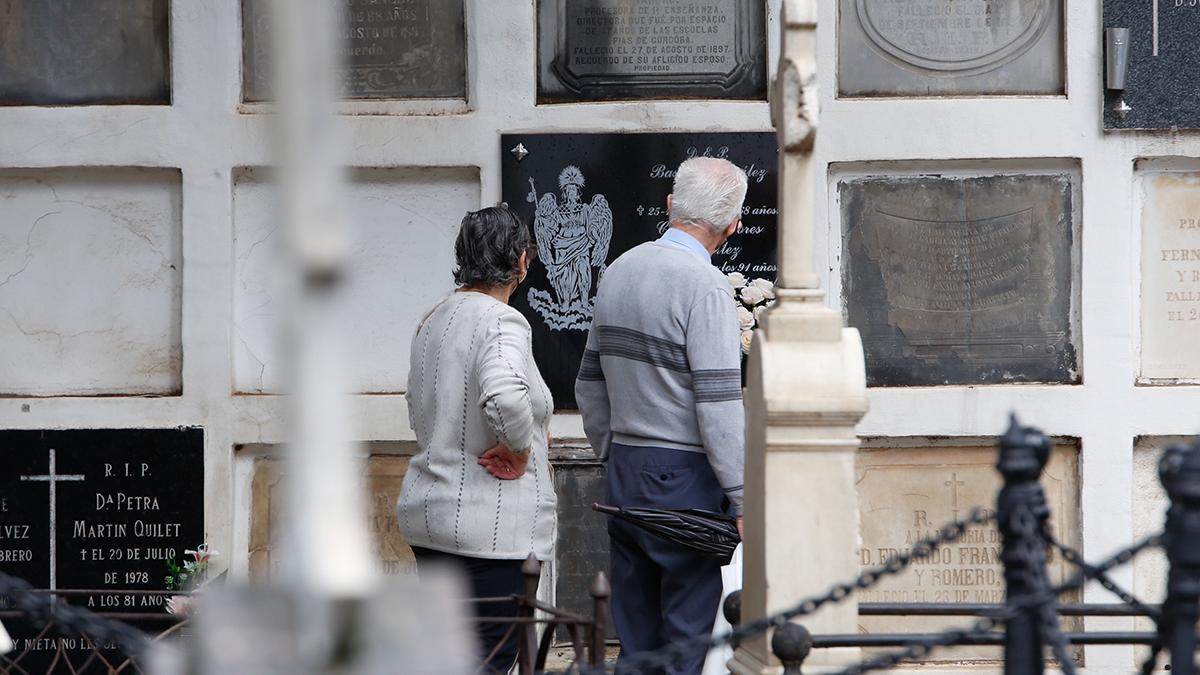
(503, 463)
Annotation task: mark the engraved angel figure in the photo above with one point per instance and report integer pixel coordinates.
(572, 237)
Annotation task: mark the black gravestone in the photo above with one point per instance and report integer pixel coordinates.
(582, 548)
(618, 49)
(622, 179)
(98, 510)
(411, 49)
(1162, 87)
(961, 280)
(75, 52)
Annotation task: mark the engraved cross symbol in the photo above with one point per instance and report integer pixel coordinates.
(954, 484)
(53, 478)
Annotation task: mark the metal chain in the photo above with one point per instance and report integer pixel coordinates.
(668, 655)
(950, 638)
(1074, 557)
(71, 620)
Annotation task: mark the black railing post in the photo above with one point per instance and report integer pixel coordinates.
(527, 645)
(600, 592)
(1021, 517)
(791, 644)
(1179, 471)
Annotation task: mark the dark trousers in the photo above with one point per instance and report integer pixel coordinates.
(661, 592)
(486, 579)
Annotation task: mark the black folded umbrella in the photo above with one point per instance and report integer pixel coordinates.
(708, 532)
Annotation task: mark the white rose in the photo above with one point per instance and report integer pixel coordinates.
(745, 318)
(765, 286)
(747, 336)
(752, 295)
(736, 279)
(758, 313)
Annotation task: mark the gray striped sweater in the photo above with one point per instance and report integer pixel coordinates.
(472, 381)
(662, 367)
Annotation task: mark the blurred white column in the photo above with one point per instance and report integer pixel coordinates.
(326, 545)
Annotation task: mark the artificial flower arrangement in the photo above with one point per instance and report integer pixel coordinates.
(753, 297)
(190, 576)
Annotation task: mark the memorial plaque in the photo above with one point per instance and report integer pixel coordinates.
(961, 280)
(100, 510)
(629, 49)
(616, 184)
(390, 49)
(1170, 277)
(582, 548)
(906, 493)
(950, 47)
(79, 52)
(1162, 85)
(384, 476)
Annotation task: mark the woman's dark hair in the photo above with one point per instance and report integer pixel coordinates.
(489, 243)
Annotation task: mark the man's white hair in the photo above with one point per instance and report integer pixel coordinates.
(708, 193)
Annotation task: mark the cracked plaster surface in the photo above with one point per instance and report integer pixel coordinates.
(403, 223)
(90, 282)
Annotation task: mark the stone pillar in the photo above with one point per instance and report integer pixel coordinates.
(806, 392)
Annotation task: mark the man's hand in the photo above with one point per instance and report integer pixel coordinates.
(741, 533)
(503, 463)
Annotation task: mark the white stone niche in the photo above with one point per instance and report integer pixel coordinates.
(1149, 516)
(403, 222)
(91, 266)
(910, 487)
(1170, 271)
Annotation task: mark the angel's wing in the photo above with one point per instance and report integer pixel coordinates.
(543, 227)
(599, 229)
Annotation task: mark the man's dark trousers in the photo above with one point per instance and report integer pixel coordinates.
(662, 592)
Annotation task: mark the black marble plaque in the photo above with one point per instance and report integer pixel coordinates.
(78, 52)
(964, 280)
(619, 181)
(582, 536)
(630, 49)
(1162, 87)
(99, 510)
(390, 49)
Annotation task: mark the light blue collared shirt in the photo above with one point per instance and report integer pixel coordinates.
(677, 238)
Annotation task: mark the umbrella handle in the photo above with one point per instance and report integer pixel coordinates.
(605, 508)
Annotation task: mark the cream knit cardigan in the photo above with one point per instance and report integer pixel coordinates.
(472, 382)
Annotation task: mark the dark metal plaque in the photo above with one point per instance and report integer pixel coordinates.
(961, 280)
(79, 52)
(97, 509)
(950, 47)
(582, 536)
(390, 49)
(1162, 87)
(587, 180)
(628, 49)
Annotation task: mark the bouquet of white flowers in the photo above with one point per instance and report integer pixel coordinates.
(753, 297)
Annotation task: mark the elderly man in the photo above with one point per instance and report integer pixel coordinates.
(660, 393)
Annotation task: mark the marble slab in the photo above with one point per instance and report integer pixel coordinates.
(910, 488)
(1170, 306)
(403, 222)
(91, 270)
(950, 47)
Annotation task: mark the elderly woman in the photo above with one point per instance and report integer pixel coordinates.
(479, 494)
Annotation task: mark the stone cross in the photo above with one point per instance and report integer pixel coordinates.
(954, 483)
(805, 392)
(53, 478)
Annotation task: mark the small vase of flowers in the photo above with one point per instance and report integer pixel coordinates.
(191, 576)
